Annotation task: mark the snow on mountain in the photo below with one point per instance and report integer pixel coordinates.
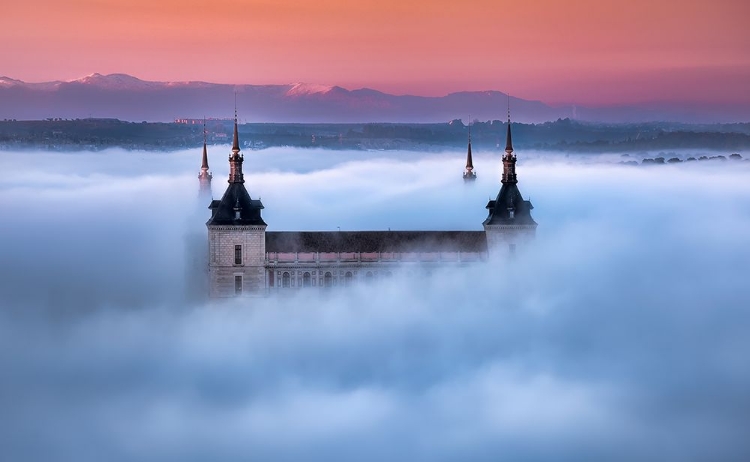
(8, 82)
(130, 98)
(117, 82)
(306, 89)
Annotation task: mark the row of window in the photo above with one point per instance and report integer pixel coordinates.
(328, 279)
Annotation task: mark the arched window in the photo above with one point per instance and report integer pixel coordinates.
(306, 279)
(369, 276)
(388, 274)
(328, 279)
(286, 279)
(348, 278)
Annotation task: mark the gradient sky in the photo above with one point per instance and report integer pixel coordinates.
(582, 51)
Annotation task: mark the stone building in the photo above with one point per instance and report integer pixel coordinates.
(246, 259)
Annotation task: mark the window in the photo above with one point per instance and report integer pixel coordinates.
(306, 279)
(388, 274)
(238, 284)
(237, 254)
(348, 278)
(512, 249)
(286, 280)
(328, 279)
(369, 276)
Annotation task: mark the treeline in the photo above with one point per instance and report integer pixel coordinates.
(563, 134)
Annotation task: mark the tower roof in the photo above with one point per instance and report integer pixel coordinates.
(509, 199)
(469, 161)
(236, 199)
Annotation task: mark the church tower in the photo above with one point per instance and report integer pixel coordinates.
(509, 223)
(204, 177)
(469, 175)
(236, 236)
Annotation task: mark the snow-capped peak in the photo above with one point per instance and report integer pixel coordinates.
(8, 82)
(115, 81)
(302, 89)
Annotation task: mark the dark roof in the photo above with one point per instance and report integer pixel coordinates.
(469, 163)
(509, 196)
(223, 211)
(376, 241)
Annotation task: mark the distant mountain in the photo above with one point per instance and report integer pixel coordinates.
(128, 98)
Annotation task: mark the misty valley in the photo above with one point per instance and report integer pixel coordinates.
(626, 315)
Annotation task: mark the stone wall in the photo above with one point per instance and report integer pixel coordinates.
(222, 268)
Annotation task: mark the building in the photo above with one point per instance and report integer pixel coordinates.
(246, 259)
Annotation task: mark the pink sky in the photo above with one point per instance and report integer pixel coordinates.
(591, 52)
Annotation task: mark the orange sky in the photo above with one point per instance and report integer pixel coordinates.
(583, 51)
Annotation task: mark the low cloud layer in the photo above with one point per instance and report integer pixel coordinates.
(621, 335)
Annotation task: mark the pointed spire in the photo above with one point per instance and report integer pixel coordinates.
(204, 164)
(469, 162)
(509, 159)
(469, 175)
(235, 159)
(235, 138)
(508, 140)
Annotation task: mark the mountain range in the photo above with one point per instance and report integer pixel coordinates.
(126, 97)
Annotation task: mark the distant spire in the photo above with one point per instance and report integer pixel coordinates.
(204, 165)
(204, 177)
(469, 174)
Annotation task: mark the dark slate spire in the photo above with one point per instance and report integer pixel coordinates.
(236, 159)
(508, 141)
(469, 175)
(204, 164)
(235, 138)
(509, 159)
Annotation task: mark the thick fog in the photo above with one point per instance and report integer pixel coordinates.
(622, 334)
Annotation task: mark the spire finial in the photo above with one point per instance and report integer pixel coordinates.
(508, 94)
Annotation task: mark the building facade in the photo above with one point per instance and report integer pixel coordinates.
(244, 259)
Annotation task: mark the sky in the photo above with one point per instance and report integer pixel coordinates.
(580, 51)
(620, 334)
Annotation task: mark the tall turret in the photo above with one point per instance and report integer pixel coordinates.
(235, 158)
(236, 235)
(509, 221)
(469, 175)
(204, 177)
(509, 159)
